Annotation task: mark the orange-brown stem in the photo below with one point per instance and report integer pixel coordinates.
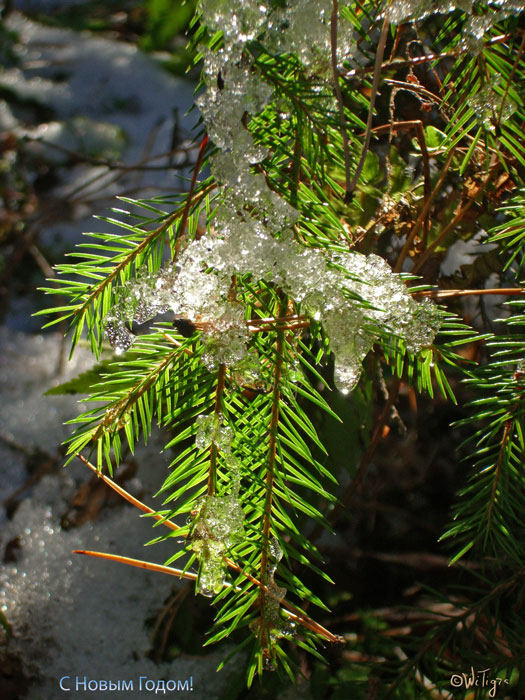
(148, 565)
(291, 609)
(214, 450)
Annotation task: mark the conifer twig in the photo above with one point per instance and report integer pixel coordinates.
(115, 272)
(451, 293)
(427, 58)
(148, 565)
(455, 220)
(424, 211)
(189, 198)
(212, 474)
(291, 610)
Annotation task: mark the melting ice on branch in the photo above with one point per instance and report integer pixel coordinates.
(354, 297)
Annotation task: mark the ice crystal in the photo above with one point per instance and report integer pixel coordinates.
(212, 430)
(219, 519)
(475, 29)
(353, 296)
(138, 300)
(211, 570)
(488, 104)
(239, 20)
(234, 474)
(247, 372)
(303, 28)
(218, 524)
(403, 10)
(278, 627)
(119, 337)
(246, 190)
(227, 346)
(223, 110)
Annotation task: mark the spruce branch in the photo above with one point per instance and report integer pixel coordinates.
(424, 212)
(274, 271)
(291, 610)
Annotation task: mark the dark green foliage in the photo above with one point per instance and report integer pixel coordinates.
(444, 176)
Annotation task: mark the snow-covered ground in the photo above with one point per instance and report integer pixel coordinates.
(108, 101)
(72, 615)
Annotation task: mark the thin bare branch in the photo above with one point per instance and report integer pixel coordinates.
(375, 84)
(339, 95)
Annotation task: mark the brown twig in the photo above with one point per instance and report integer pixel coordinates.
(416, 124)
(291, 610)
(427, 58)
(339, 96)
(450, 293)
(455, 221)
(375, 84)
(414, 87)
(278, 327)
(50, 274)
(427, 185)
(187, 207)
(424, 212)
(115, 164)
(148, 565)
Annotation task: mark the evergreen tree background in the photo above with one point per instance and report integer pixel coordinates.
(410, 148)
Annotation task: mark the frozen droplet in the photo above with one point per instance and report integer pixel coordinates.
(119, 336)
(234, 473)
(212, 572)
(217, 525)
(211, 430)
(275, 549)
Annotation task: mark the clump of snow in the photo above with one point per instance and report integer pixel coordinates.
(27, 369)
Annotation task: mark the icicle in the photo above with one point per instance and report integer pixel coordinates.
(119, 337)
(217, 525)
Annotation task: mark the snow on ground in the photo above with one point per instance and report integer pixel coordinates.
(108, 100)
(73, 615)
